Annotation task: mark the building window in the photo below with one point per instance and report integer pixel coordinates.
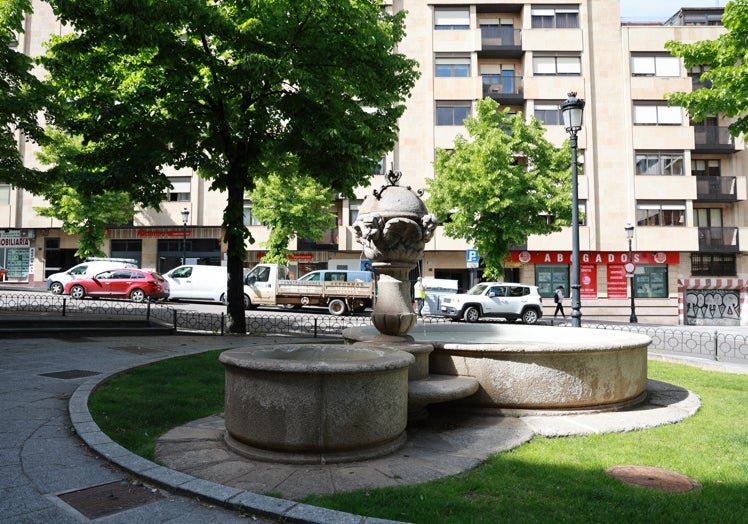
(555, 16)
(660, 214)
(706, 167)
(353, 211)
(249, 217)
(655, 65)
(715, 265)
(450, 19)
(659, 163)
(180, 189)
(657, 114)
(650, 282)
(549, 277)
(452, 113)
(556, 65)
(548, 114)
(452, 66)
(4, 194)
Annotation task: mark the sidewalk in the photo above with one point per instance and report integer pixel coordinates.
(48, 474)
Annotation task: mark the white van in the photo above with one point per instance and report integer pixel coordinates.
(56, 282)
(199, 282)
(337, 275)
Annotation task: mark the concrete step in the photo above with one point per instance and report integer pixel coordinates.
(437, 388)
(59, 326)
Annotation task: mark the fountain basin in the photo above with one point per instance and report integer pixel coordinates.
(537, 367)
(315, 403)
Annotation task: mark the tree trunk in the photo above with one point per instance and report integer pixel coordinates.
(235, 235)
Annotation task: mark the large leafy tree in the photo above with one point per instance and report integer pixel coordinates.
(296, 206)
(500, 184)
(727, 74)
(227, 88)
(86, 215)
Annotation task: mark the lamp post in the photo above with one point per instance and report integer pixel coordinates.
(185, 216)
(572, 111)
(630, 274)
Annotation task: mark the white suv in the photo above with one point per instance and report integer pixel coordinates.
(56, 282)
(495, 299)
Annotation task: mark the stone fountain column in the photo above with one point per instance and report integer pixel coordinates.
(393, 226)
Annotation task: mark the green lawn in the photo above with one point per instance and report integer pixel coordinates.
(546, 480)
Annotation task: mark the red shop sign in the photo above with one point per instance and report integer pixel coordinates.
(595, 257)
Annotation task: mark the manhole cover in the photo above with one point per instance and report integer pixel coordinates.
(651, 477)
(108, 499)
(70, 374)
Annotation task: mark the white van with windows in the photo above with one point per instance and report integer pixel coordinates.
(91, 266)
(199, 282)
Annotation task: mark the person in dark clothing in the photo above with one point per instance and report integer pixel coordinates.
(558, 298)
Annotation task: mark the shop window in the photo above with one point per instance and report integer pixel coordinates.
(650, 282)
(549, 277)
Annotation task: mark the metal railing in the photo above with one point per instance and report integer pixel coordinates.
(705, 342)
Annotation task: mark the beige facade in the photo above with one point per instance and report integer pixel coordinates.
(681, 185)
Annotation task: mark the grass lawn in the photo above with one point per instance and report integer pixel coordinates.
(546, 480)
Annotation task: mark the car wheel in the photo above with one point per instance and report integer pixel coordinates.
(337, 307)
(529, 316)
(472, 314)
(137, 295)
(56, 288)
(247, 302)
(225, 301)
(77, 292)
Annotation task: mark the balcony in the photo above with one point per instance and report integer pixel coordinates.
(506, 90)
(500, 42)
(713, 139)
(716, 188)
(718, 240)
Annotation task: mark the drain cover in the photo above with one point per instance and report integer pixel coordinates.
(70, 374)
(651, 477)
(108, 499)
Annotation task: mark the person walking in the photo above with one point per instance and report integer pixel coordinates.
(558, 298)
(419, 293)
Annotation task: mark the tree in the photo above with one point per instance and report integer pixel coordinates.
(229, 89)
(500, 185)
(86, 215)
(21, 95)
(295, 206)
(727, 73)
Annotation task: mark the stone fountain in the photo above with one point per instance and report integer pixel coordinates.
(323, 403)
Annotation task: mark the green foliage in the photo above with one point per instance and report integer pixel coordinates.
(83, 214)
(497, 186)
(291, 206)
(230, 89)
(726, 56)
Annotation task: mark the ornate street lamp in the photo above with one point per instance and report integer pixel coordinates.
(572, 111)
(630, 274)
(185, 217)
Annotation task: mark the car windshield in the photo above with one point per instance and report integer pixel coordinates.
(477, 289)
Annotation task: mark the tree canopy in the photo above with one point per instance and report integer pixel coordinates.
(229, 89)
(291, 207)
(727, 77)
(503, 183)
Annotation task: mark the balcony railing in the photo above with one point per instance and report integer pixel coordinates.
(503, 88)
(719, 239)
(717, 188)
(492, 36)
(713, 139)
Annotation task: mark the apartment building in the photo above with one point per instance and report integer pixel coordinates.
(681, 185)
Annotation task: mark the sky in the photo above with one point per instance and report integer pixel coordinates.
(660, 10)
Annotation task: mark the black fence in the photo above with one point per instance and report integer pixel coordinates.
(703, 342)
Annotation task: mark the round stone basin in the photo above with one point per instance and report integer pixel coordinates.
(315, 403)
(537, 367)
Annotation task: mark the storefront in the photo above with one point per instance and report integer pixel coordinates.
(16, 255)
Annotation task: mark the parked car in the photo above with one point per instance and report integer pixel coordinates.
(56, 282)
(136, 284)
(497, 300)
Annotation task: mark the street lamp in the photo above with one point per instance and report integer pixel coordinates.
(572, 111)
(185, 216)
(630, 274)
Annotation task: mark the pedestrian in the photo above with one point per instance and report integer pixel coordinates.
(419, 293)
(558, 298)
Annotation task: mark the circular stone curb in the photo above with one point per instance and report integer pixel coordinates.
(652, 477)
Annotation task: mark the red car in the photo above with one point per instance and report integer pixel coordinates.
(135, 284)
